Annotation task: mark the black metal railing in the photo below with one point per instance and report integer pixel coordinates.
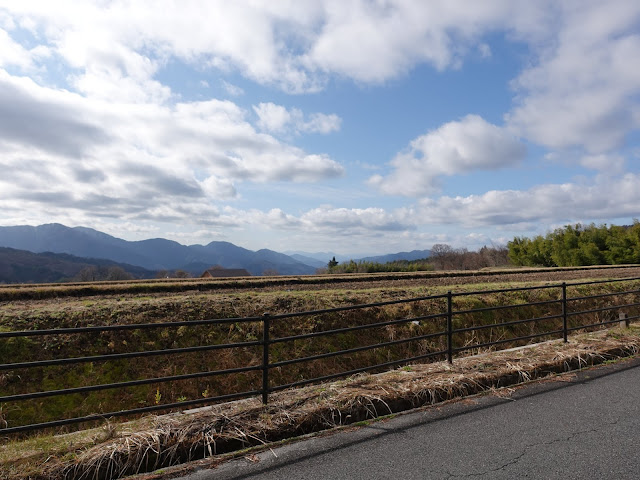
(435, 327)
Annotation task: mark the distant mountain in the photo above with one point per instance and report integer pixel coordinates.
(392, 257)
(314, 262)
(321, 259)
(318, 256)
(153, 254)
(21, 266)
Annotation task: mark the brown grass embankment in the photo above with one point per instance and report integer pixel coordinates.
(114, 451)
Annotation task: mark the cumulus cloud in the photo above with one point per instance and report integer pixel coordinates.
(458, 147)
(605, 198)
(51, 120)
(278, 119)
(347, 221)
(373, 42)
(611, 163)
(219, 188)
(293, 45)
(580, 89)
(272, 117)
(582, 92)
(321, 123)
(135, 161)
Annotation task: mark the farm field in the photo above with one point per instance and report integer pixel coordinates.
(22, 308)
(311, 282)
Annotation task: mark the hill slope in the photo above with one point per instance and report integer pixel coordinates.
(21, 266)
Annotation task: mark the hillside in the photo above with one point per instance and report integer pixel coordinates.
(21, 266)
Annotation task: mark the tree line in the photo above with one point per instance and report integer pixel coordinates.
(443, 257)
(575, 245)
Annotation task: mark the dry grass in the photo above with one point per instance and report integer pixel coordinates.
(19, 292)
(153, 442)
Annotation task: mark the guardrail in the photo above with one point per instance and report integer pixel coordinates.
(457, 330)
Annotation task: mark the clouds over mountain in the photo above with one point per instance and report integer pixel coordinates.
(100, 120)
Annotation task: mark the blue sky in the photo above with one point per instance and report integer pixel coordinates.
(350, 126)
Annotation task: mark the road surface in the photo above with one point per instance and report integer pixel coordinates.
(588, 427)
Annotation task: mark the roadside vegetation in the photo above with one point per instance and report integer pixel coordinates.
(209, 436)
(443, 257)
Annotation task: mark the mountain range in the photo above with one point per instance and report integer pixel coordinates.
(151, 255)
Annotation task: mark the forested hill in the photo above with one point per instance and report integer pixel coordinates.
(576, 245)
(20, 266)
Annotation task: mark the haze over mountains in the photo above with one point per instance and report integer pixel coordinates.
(153, 254)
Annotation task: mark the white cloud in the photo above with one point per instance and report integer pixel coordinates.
(606, 198)
(373, 42)
(14, 54)
(272, 117)
(277, 119)
(459, 147)
(62, 151)
(231, 89)
(582, 91)
(611, 164)
(294, 45)
(218, 188)
(321, 123)
(349, 221)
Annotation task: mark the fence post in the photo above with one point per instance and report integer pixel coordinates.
(565, 327)
(266, 321)
(624, 320)
(449, 328)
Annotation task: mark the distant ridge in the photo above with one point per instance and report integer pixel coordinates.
(162, 254)
(392, 257)
(153, 254)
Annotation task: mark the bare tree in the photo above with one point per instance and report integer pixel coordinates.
(118, 273)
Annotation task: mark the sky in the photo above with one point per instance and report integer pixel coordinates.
(366, 126)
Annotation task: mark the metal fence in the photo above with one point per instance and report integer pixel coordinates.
(446, 325)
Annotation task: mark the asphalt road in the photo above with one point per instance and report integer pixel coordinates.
(585, 428)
